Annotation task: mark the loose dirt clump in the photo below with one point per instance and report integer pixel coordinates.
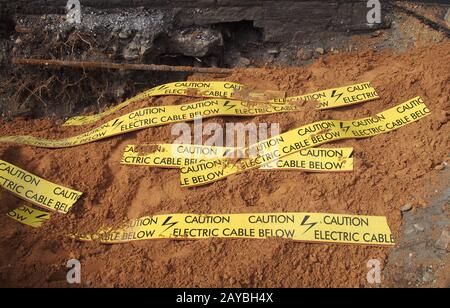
(391, 170)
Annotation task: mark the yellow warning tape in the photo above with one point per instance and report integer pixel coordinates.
(304, 227)
(162, 115)
(181, 155)
(214, 89)
(339, 97)
(327, 99)
(305, 137)
(29, 216)
(315, 160)
(36, 190)
(173, 155)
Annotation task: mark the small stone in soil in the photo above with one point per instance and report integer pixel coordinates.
(320, 50)
(376, 33)
(406, 208)
(428, 277)
(303, 54)
(439, 167)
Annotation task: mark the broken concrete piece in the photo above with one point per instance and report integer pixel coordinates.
(196, 42)
(320, 50)
(131, 52)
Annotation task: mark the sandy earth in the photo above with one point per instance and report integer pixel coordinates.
(390, 170)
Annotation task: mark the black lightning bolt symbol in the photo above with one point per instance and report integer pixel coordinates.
(228, 153)
(351, 155)
(163, 87)
(80, 119)
(233, 153)
(229, 104)
(168, 223)
(42, 218)
(343, 127)
(337, 95)
(306, 223)
(117, 123)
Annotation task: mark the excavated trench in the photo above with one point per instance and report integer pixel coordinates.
(193, 33)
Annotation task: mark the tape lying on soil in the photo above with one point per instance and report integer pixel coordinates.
(162, 115)
(157, 116)
(214, 89)
(315, 160)
(305, 137)
(29, 216)
(339, 97)
(331, 98)
(182, 155)
(36, 190)
(304, 227)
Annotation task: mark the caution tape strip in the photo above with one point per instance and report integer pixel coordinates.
(305, 137)
(339, 97)
(303, 227)
(327, 99)
(157, 116)
(162, 115)
(29, 216)
(213, 89)
(36, 190)
(181, 155)
(315, 160)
